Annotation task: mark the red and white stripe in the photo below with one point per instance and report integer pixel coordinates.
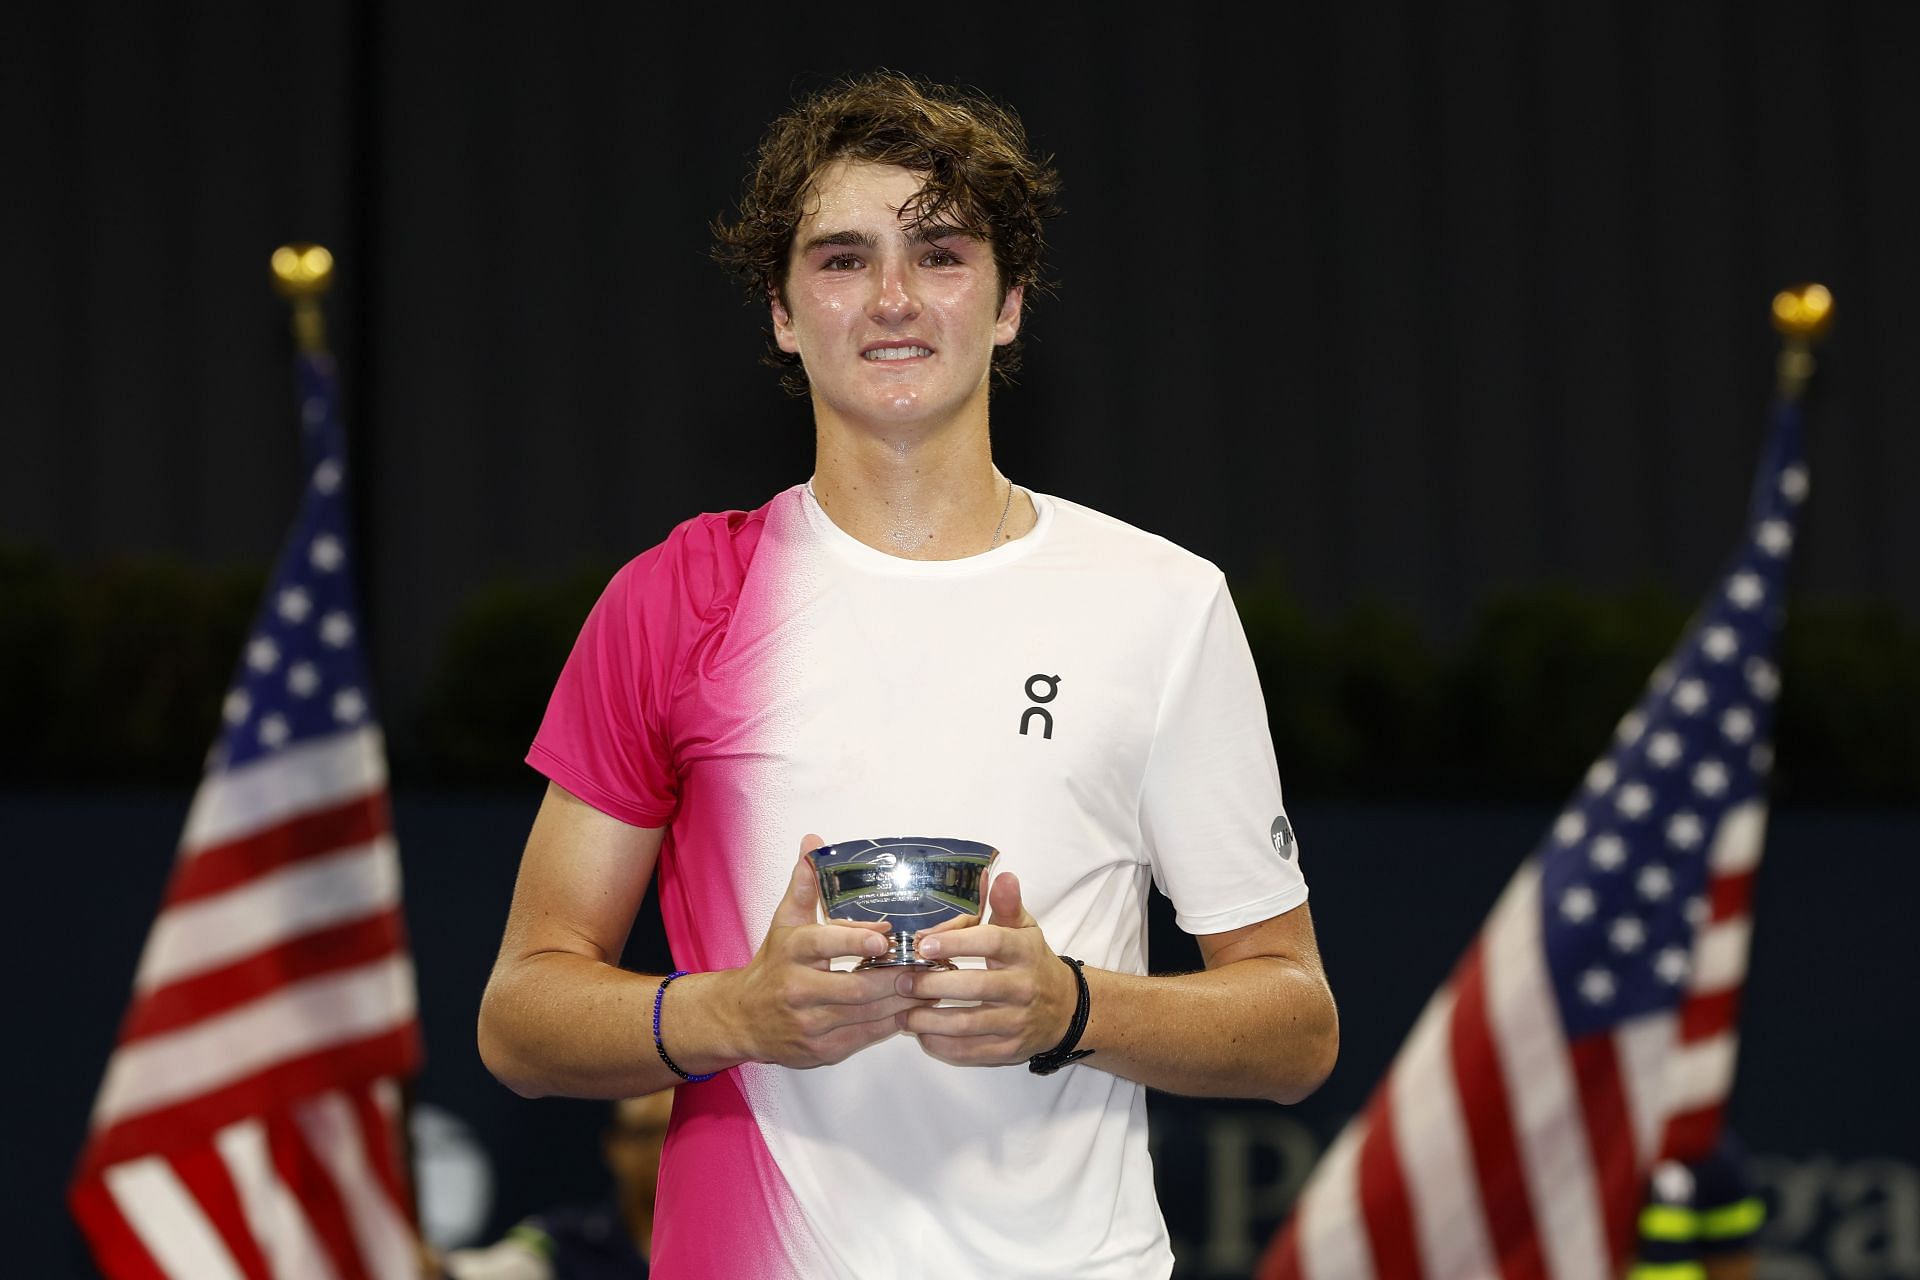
(1496, 1148)
(247, 1125)
(1702, 1073)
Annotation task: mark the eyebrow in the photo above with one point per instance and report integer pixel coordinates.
(861, 240)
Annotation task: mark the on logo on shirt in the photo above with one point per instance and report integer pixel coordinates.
(1051, 687)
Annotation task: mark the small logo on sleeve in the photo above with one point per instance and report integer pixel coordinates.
(1040, 689)
(1281, 833)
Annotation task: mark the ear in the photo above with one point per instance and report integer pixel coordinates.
(783, 332)
(1006, 325)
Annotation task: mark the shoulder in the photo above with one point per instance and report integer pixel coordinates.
(699, 565)
(1152, 564)
(715, 544)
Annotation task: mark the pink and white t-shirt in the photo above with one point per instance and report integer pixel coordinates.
(1082, 699)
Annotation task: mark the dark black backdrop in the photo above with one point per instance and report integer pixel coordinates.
(1408, 305)
(1404, 304)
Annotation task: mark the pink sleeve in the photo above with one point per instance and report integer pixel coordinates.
(605, 736)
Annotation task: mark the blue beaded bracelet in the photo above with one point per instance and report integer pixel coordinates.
(658, 997)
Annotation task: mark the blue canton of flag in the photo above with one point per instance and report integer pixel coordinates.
(301, 675)
(1625, 870)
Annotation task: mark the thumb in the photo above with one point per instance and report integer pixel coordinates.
(1003, 896)
(803, 890)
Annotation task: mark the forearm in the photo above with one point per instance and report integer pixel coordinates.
(566, 1024)
(1262, 1027)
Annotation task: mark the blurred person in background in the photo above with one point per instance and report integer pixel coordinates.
(607, 1240)
(1701, 1220)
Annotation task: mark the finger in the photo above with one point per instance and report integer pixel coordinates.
(844, 1043)
(821, 987)
(1004, 897)
(888, 1009)
(984, 1020)
(948, 926)
(972, 1051)
(812, 942)
(797, 904)
(995, 942)
(810, 842)
(813, 1020)
(994, 986)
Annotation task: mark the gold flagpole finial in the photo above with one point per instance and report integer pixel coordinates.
(1802, 315)
(302, 274)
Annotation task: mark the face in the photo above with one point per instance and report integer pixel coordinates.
(895, 327)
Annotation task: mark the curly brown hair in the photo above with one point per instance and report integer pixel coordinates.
(980, 177)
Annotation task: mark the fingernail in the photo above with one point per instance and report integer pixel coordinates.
(929, 946)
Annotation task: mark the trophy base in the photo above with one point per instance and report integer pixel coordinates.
(892, 962)
(901, 955)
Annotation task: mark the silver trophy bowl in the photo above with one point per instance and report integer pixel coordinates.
(908, 883)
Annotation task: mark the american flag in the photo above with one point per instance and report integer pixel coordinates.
(1590, 1029)
(247, 1124)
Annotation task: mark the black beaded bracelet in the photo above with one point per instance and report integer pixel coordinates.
(1045, 1064)
(659, 1045)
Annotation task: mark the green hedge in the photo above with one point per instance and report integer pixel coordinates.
(487, 693)
(1364, 705)
(114, 673)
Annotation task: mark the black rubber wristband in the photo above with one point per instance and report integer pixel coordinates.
(1045, 1064)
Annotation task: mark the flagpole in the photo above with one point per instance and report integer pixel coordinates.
(302, 274)
(1801, 315)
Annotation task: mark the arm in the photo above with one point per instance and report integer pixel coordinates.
(561, 1017)
(1259, 1021)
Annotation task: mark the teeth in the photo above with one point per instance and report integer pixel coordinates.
(897, 353)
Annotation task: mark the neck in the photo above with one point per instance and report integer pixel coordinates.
(922, 494)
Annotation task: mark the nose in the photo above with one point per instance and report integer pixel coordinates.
(894, 300)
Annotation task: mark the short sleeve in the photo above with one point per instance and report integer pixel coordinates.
(605, 736)
(1217, 833)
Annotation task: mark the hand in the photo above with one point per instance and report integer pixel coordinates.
(1026, 996)
(788, 1005)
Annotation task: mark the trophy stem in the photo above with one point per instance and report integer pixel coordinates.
(900, 955)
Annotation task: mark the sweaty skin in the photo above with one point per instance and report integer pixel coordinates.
(903, 457)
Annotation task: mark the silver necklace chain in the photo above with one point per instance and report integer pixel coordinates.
(994, 541)
(1006, 509)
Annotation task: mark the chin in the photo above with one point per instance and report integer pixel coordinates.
(903, 410)
(893, 410)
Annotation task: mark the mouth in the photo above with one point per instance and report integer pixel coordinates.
(895, 351)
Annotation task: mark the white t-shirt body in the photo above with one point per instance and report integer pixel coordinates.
(1082, 699)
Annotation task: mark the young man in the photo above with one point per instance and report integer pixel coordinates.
(907, 644)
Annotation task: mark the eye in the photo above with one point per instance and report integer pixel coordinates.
(840, 262)
(943, 258)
